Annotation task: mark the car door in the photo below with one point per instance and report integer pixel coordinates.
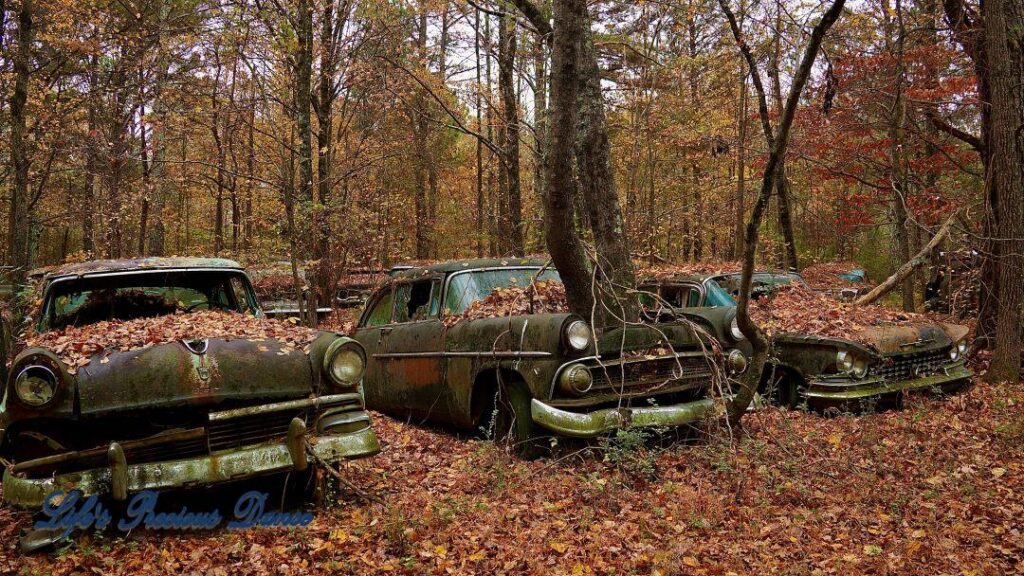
(373, 331)
(415, 358)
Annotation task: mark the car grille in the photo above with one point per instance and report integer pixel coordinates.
(910, 366)
(248, 430)
(216, 435)
(635, 376)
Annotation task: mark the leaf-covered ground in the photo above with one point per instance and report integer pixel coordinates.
(934, 489)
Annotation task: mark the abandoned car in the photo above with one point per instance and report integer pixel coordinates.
(521, 376)
(179, 411)
(824, 372)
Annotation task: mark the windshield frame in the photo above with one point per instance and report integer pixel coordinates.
(42, 325)
(449, 277)
(797, 279)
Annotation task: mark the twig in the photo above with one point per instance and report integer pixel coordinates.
(348, 484)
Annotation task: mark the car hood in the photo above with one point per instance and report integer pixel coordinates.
(680, 334)
(197, 373)
(887, 340)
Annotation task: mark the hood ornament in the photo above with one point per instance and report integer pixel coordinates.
(198, 347)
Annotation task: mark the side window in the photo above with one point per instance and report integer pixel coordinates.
(416, 301)
(694, 299)
(241, 295)
(380, 310)
(675, 295)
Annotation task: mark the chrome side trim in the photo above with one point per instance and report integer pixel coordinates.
(318, 402)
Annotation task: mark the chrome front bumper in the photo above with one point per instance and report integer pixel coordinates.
(340, 434)
(952, 376)
(591, 424)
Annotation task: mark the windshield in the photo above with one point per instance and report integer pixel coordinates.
(83, 301)
(723, 290)
(468, 287)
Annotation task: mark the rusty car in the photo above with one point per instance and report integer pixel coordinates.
(522, 377)
(808, 370)
(173, 414)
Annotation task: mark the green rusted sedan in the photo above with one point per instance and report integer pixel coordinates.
(822, 372)
(173, 414)
(524, 376)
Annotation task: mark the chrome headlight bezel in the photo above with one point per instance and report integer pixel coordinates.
(345, 363)
(844, 361)
(41, 373)
(577, 335)
(734, 330)
(575, 380)
(737, 362)
(851, 364)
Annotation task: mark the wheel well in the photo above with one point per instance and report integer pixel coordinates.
(483, 396)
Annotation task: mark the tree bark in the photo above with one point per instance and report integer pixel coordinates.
(1004, 46)
(563, 243)
(597, 184)
(511, 217)
(18, 225)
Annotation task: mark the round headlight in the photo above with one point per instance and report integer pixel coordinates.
(844, 361)
(345, 364)
(576, 380)
(36, 385)
(957, 352)
(734, 330)
(578, 335)
(860, 368)
(737, 361)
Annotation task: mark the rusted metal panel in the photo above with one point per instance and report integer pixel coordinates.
(179, 414)
(439, 372)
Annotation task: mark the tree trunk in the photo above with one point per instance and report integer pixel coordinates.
(540, 112)
(741, 165)
(778, 142)
(480, 230)
(303, 104)
(908, 267)
(1004, 46)
(597, 183)
(563, 243)
(421, 135)
(512, 211)
(18, 225)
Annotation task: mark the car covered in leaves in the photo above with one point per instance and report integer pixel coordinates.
(162, 373)
(825, 353)
(489, 345)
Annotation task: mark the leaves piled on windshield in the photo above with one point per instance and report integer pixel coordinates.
(796, 309)
(78, 345)
(274, 287)
(541, 297)
(829, 275)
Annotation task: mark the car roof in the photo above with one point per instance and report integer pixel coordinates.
(690, 277)
(131, 264)
(450, 266)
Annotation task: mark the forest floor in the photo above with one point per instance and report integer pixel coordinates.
(936, 488)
